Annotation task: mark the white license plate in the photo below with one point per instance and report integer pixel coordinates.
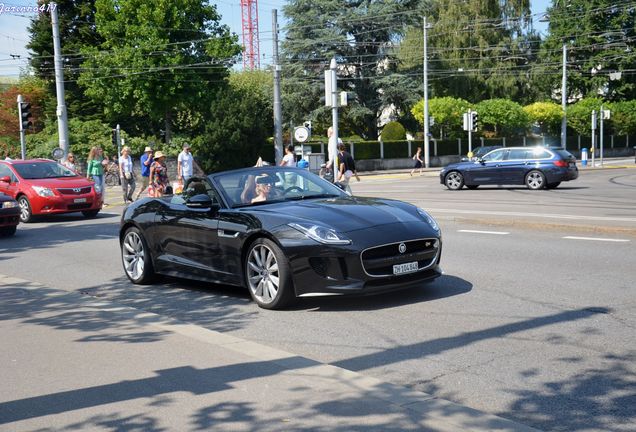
(405, 268)
(79, 200)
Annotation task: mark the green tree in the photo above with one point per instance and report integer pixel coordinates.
(477, 49)
(624, 117)
(501, 116)
(360, 35)
(447, 112)
(76, 20)
(236, 132)
(579, 115)
(158, 59)
(547, 115)
(83, 134)
(600, 36)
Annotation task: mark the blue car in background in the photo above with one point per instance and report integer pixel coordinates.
(535, 167)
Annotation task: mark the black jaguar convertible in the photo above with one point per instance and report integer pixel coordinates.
(282, 233)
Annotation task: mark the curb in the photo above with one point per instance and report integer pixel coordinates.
(455, 416)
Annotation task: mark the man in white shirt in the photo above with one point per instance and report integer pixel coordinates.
(185, 163)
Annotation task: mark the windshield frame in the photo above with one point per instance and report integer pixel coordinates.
(231, 184)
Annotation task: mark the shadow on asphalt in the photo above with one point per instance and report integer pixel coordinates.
(445, 286)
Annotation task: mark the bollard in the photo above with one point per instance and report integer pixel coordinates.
(584, 156)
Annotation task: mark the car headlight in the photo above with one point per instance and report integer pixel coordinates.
(9, 204)
(321, 233)
(428, 218)
(43, 191)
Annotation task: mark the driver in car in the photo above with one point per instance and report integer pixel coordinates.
(264, 187)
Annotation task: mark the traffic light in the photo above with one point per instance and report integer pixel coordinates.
(475, 120)
(114, 136)
(25, 115)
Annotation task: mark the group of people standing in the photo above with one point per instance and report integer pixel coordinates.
(154, 172)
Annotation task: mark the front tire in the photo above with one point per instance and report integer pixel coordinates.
(268, 275)
(26, 214)
(135, 257)
(454, 180)
(535, 180)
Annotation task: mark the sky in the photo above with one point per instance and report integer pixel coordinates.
(14, 28)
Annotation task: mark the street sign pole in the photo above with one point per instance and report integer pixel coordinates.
(602, 115)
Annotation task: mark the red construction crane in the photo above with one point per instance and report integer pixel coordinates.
(249, 16)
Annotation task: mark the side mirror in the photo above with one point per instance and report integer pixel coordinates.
(5, 179)
(481, 161)
(201, 201)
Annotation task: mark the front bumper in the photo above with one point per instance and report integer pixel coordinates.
(320, 269)
(66, 204)
(9, 216)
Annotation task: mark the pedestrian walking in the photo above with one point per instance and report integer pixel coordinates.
(126, 175)
(290, 158)
(95, 168)
(185, 164)
(146, 161)
(347, 168)
(158, 175)
(417, 157)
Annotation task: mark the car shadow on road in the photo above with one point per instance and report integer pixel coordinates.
(445, 286)
(42, 236)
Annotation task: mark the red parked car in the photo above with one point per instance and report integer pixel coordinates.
(43, 187)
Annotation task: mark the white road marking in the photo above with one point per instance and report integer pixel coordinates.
(596, 239)
(484, 232)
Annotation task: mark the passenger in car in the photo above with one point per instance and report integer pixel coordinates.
(249, 190)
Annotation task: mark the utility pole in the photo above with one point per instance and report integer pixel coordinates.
(593, 135)
(602, 117)
(22, 132)
(62, 121)
(426, 129)
(278, 114)
(564, 121)
(118, 138)
(333, 140)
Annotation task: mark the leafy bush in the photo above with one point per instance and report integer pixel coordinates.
(393, 131)
(547, 114)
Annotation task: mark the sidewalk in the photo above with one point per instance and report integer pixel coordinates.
(72, 362)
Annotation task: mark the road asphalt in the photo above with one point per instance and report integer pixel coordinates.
(73, 362)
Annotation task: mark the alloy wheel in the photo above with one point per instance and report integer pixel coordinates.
(535, 180)
(133, 254)
(263, 273)
(454, 180)
(25, 209)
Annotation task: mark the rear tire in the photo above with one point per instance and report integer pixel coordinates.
(26, 214)
(552, 185)
(454, 180)
(135, 257)
(268, 275)
(535, 180)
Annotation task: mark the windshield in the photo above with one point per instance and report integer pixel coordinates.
(264, 185)
(43, 170)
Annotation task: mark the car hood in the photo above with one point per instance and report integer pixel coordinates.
(460, 165)
(343, 214)
(61, 182)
